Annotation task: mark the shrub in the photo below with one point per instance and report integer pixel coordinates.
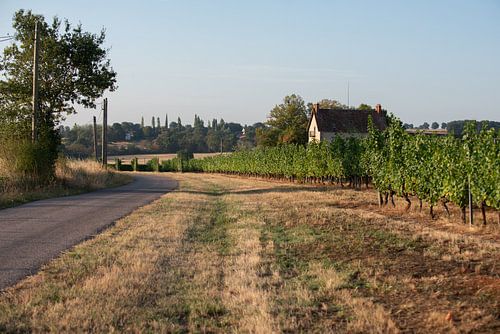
(154, 164)
(24, 164)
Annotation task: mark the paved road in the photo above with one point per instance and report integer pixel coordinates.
(34, 233)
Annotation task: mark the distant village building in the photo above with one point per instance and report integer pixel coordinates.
(325, 124)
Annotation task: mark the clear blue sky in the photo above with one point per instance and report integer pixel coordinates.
(422, 60)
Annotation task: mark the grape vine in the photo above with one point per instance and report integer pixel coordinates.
(432, 169)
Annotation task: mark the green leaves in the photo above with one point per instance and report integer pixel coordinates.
(432, 168)
(288, 122)
(73, 66)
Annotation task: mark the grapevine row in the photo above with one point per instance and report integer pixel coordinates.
(433, 169)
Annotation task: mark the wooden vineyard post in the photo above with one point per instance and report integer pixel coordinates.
(471, 212)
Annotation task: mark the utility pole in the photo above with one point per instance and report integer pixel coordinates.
(105, 134)
(95, 140)
(35, 116)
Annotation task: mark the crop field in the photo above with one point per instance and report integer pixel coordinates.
(233, 254)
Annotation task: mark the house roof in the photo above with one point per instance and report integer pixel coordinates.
(348, 120)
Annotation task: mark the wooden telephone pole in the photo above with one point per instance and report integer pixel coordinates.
(95, 140)
(35, 116)
(105, 134)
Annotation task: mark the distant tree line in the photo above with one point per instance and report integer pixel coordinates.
(287, 123)
(453, 127)
(136, 138)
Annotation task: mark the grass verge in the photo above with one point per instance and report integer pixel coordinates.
(72, 177)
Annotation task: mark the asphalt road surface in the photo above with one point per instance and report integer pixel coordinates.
(32, 234)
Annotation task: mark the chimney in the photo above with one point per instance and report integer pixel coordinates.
(378, 108)
(315, 107)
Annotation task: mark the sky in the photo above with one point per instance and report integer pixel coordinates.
(424, 61)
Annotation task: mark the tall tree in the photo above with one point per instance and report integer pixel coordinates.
(153, 125)
(424, 126)
(73, 67)
(166, 121)
(334, 104)
(142, 121)
(364, 106)
(289, 119)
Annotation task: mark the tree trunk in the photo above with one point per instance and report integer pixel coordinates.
(381, 200)
(446, 208)
(431, 211)
(420, 204)
(408, 206)
(464, 219)
(392, 199)
(483, 212)
(386, 198)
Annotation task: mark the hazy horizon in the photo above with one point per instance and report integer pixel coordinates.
(424, 62)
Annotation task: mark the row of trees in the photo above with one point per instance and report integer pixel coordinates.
(454, 127)
(426, 126)
(217, 135)
(433, 169)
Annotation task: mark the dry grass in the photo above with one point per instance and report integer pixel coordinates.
(245, 293)
(226, 254)
(86, 174)
(72, 177)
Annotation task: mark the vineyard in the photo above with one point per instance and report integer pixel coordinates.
(435, 170)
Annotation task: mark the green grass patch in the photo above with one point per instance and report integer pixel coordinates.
(213, 233)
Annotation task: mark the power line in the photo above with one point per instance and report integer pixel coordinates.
(5, 39)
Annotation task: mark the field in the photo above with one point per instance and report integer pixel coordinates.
(144, 158)
(232, 254)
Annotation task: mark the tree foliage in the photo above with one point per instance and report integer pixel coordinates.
(288, 121)
(73, 67)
